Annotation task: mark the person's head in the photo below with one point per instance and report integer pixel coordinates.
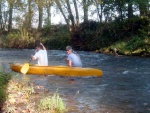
(69, 49)
(38, 47)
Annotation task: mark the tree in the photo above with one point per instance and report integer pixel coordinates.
(29, 15)
(99, 8)
(48, 4)
(85, 10)
(130, 9)
(65, 9)
(143, 7)
(3, 15)
(1, 21)
(11, 5)
(120, 8)
(77, 12)
(40, 5)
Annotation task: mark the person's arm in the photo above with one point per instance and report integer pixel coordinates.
(43, 46)
(32, 57)
(69, 63)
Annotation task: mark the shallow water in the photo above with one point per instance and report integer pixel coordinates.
(123, 88)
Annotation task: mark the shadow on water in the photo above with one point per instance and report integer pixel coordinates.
(123, 88)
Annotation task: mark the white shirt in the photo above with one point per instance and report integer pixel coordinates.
(41, 56)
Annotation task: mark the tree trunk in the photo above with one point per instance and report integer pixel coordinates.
(71, 17)
(77, 13)
(130, 10)
(99, 8)
(29, 19)
(61, 10)
(85, 10)
(10, 17)
(40, 17)
(1, 15)
(48, 6)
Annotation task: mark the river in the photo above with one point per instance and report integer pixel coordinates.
(123, 88)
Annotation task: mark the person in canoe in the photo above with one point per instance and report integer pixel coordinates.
(73, 59)
(40, 55)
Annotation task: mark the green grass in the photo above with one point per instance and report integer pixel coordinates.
(52, 104)
(4, 78)
(9, 84)
(135, 46)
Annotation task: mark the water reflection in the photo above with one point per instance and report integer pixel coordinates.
(123, 88)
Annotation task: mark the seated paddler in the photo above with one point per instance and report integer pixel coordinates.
(73, 59)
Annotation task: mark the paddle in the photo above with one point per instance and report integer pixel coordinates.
(25, 68)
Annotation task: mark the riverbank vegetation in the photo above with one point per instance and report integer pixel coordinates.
(18, 96)
(122, 38)
(120, 27)
(4, 78)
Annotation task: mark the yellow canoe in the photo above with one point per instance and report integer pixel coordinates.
(57, 70)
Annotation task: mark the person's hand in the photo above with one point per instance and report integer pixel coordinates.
(31, 56)
(66, 59)
(41, 44)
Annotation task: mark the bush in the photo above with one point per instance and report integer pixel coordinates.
(4, 78)
(56, 37)
(135, 43)
(18, 39)
(52, 104)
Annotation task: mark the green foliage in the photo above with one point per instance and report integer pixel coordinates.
(135, 43)
(52, 104)
(4, 78)
(18, 39)
(120, 46)
(138, 43)
(46, 30)
(55, 37)
(135, 46)
(59, 42)
(124, 35)
(91, 35)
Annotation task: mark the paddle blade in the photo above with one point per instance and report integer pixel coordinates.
(25, 68)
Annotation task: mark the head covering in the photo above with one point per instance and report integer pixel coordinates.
(68, 48)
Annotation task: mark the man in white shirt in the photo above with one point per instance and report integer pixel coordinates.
(40, 55)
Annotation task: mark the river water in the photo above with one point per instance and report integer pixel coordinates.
(123, 88)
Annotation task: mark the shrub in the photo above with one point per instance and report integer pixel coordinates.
(4, 78)
(18, 39)
(57, 37)
(135, 43)
(52, 104)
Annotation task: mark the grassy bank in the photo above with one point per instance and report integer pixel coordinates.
(135, 47)
(4, 79)
(17, 96)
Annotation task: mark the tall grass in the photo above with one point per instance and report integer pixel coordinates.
(4, 78)
(52, 104)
